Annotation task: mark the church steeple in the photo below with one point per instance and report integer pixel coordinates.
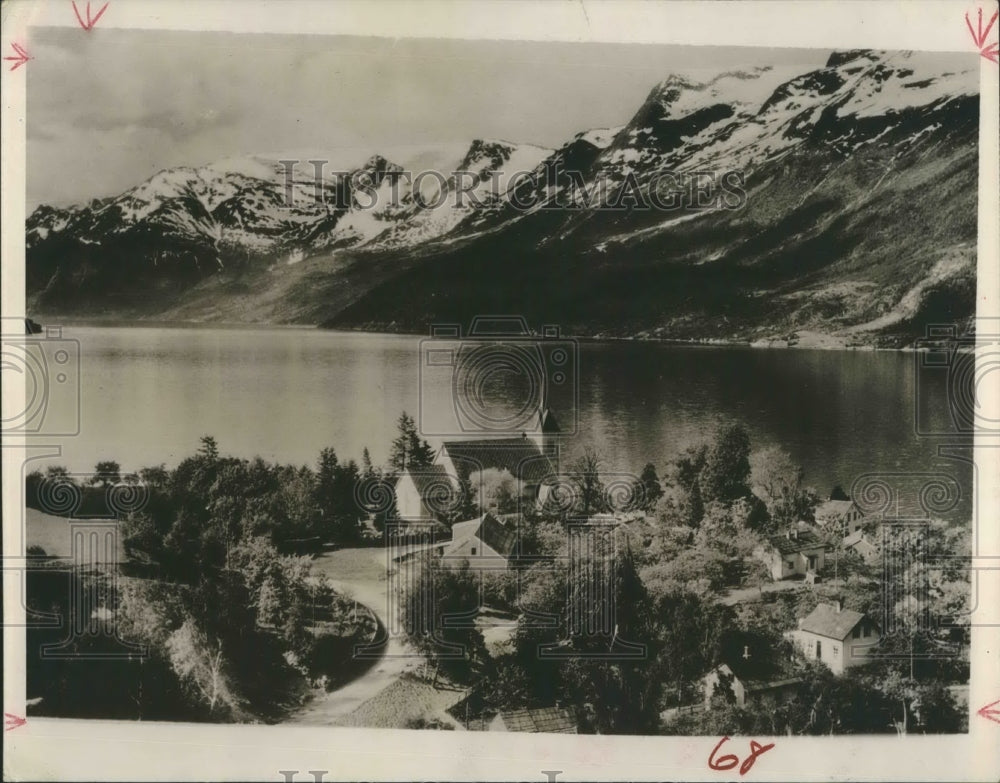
(546, 431)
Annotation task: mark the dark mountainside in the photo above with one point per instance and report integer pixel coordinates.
(859, 224)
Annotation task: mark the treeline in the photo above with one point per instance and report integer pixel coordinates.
(208, 498)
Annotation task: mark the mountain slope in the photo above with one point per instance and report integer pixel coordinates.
(840, 202)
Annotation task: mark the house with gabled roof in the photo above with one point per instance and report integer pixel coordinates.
(747, 690)
(422, 492)
(838, 637)
(860, 543)
(486, 543)
(842, 515)
(797, 551)
(530, 458)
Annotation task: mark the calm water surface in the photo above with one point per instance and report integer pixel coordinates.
(148, 394)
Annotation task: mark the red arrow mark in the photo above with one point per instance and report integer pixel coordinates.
(91, 20)
(979, 35)
(21, 56)
(989, 713)
(12, 721)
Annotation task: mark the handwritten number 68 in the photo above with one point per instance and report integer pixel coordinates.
(730, 760)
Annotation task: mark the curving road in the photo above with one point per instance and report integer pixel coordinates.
(359, 573)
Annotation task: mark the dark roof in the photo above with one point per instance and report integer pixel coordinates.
(553, 720)
(755, 685)
(760, 686)
(521, 457)
(496, 535)
(801, 539)
(825, 620)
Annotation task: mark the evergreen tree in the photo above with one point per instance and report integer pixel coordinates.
(367, 469)
(648, 489)
(209, 448)
(590, 491)
(408, 449)
(726, 474)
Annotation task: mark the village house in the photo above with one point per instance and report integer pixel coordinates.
(420, 492)
(840, 514)
(860, 543)
(551, 720)
(486, 543)
(748, 691)
(838, 637)
(531, 459)
(797, 551)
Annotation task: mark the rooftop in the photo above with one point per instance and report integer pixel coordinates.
(856, 538)
(491, 531)
(797, 540)
(429, 477)
(829, 621)
(520, 457)
(833, 508)
(553, 720)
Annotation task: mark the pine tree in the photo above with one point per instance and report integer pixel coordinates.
(367, 469)
(408, 449)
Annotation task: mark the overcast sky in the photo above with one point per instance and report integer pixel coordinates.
(108, 109)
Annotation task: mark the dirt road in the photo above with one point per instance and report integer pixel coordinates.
(361, 574)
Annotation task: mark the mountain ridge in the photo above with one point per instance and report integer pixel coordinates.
(846, 170)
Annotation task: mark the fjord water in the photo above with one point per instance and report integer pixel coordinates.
(148, 394)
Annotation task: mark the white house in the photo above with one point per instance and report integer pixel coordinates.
(838, 637)
(862, 544)
(748, 691)
(486, 543)
(797, 551)
(423, 492)
(844, 514)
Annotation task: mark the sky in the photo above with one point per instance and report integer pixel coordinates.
(109, 109)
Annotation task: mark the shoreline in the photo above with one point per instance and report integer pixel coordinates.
(807, 340)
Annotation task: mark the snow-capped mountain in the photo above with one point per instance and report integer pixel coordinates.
(854, 190)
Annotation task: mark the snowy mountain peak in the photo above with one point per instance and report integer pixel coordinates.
(851, 55)
(599, 137)
(377, 164)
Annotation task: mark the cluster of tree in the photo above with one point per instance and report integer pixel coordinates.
(234, 606)
(209, 501)
(872, 700)
(408, 450)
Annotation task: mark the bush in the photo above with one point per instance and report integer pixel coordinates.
(500, 590)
